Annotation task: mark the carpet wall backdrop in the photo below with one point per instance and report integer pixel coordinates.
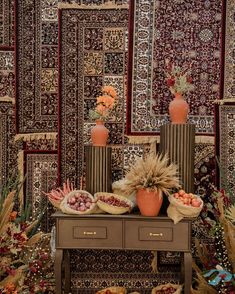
(101, 58)
(186, 33)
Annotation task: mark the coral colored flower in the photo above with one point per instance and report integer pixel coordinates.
(110, 91)
(13, 216)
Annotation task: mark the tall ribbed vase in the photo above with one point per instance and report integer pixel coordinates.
(99, 134)
(178, 109)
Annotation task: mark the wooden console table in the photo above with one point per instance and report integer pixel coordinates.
(130, 231)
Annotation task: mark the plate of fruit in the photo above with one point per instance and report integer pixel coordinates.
(78, 202)
(113, 203)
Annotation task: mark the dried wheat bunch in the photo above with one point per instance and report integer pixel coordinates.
(154, 173)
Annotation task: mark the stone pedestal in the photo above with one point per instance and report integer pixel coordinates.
(98, 169)
(178, 141)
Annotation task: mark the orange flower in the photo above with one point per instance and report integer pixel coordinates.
(110, 91)
(13, 216)
(10, 287)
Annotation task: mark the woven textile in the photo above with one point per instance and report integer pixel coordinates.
(36, 67)
(92, 54)
(7, 76)
(186, 33)
(8, 148)
(204, 167)
(97, 269)
(6, 23)
(229, 57)
(226, 138)
(41, 171)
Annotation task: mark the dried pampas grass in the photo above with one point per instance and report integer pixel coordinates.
(154, 173)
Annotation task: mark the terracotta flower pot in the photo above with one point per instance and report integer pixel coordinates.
(149, 202)
(178, 109)
(99, 134)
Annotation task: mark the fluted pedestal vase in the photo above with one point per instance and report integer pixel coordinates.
(99, 134)
(178, 110)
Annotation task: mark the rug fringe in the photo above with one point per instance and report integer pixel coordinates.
(7, 99)
(222, 101)
(36, 136)
(205, 139)
(20, 164)
(107, 5)
(143, 139)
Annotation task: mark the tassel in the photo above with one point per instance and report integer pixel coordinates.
(154, 262)
(36, 136)
(7, 99)
(108, 5)
(205, 139)
(20, 163)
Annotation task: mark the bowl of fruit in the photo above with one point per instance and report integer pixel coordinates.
(184, 204)
(113, 203)
(78, 202)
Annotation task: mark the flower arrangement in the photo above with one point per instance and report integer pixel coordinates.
(178, 79)
(153, 173)
(25, 261)
(105, 104)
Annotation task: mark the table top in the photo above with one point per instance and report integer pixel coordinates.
(132, 216)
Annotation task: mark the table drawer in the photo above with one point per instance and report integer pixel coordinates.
(158, 235)
(74, 233)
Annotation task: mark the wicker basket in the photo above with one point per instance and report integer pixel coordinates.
(178, 288)
(113, 290)
(111, 208)
(66, 209)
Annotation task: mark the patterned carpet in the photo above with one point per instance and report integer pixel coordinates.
(226, 137)
(36, 67)
(6, 23)
(193, 37)
(41, 169)
(92, 54)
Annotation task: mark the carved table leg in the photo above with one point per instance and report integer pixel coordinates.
(187, 272)
(58, 265)
(67, 271)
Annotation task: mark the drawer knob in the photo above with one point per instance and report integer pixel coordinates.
(156, 234)
(89, 233)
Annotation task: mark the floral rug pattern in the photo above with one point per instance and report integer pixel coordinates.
(6, 23)
(193, 38)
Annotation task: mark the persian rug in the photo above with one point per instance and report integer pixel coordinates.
(229, 57)
(7, 76)
(8, 148)
(191, 38)
(41, 170)
(226, 146)
(6, 23)
(204, 167)
(36, 67)
(96, 269)
(92, 45)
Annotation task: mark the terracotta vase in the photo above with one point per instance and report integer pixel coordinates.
(149, 202)
(99, 134)
(178, 109)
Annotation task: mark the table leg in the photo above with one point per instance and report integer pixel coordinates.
(67, 271)
(58, 265)
(187, 272)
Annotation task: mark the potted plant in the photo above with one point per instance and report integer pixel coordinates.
(151, 177)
